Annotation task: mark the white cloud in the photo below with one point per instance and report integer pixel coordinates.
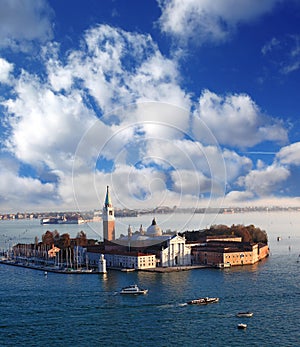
(238, 197)
(53, 122)
(119, 68)
(45, 127)
(235, 120)
(116, 68)
(191, 182)
(130, 188)
(24, 21)
(236, 165)
(17, 192)
(206, 20)
(118, 99)
(6, 70)
(290, 154)
(188, 154)
(265, 182)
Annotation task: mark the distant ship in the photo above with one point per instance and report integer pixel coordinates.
(63, 220)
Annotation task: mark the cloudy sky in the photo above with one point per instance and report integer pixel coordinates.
(171, 103)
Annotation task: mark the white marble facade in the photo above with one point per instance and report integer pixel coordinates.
(177, 253)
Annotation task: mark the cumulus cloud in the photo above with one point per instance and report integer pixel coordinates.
(238, 197)
(235, 120)
(117, 68)
(235, 165)
(207, 20)
(6, 70)
(66, 123)
(113, 112)
(191, 182)
(17, 192)
(45, 127)
(24, 21)
(265, 182)
(290, 154)
(185, 154)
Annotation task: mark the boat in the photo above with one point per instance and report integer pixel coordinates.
(223, 265)
(244, 314)
(127, 269)
(242, 326)
(203, 301)
(62, 220)
(133, 290)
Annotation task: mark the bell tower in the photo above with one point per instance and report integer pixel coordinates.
(108, 218)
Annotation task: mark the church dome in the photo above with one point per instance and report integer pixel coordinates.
(154, 229)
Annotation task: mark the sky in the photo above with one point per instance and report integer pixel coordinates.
(189, 103)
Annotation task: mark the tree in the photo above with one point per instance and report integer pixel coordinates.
(48, 238)
(81, 239)
(64, 241)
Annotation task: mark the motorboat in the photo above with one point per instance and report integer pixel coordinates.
(223, 265)
(242, 326)
(133, 290)
(244, 314)
(203, 301)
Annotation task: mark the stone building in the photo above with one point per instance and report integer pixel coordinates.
(229, 253)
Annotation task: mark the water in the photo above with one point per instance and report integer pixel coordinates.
(84, 310)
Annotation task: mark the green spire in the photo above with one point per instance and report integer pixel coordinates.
(107, 198)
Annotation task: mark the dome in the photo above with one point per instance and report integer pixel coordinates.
(154, 229)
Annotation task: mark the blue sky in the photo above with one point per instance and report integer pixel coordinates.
(171, 103)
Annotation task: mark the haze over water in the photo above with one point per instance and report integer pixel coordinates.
(85, 310)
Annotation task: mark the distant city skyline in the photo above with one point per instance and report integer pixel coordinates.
(170, 103)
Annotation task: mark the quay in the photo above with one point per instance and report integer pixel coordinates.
(50, 268)
(93, 271)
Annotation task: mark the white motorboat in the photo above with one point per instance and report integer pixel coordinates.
(242, 326)
(244, 314)
(133, 290)
(203, 301)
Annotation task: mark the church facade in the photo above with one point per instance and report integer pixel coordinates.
(176, 253)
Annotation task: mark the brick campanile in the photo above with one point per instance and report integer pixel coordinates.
(108, 218)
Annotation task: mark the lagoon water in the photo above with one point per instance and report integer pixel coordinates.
(85, 310)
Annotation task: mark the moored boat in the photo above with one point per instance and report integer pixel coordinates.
(127, 269)
(223, 265)
(203, 301)
(244, 314)
(133, 290)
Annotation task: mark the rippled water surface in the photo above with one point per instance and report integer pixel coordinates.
(85, 310)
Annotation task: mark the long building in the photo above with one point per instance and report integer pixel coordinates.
(229, 253)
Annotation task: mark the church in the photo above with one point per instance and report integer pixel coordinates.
(143, 249)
